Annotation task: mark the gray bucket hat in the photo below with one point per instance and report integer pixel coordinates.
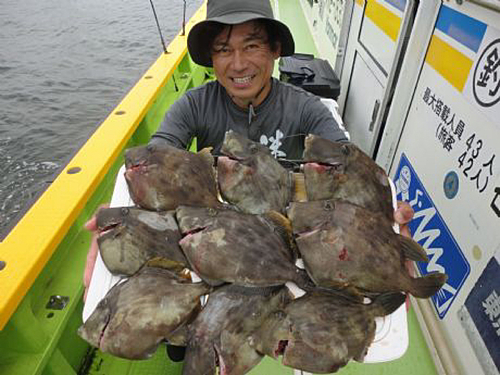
(232, 12)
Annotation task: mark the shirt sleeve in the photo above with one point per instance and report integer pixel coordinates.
(317, 119)
(178, 127)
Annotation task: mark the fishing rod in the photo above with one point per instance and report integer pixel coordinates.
(158, 23)
(159, 29)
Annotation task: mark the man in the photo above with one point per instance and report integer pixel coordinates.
(241, 40)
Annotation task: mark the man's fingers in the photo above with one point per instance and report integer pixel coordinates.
(404, 230)
(91, 259)
(404, 213)
(91, 225)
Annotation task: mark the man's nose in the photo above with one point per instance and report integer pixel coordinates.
(239, 60)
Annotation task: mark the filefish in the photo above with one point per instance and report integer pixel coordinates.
(345, 246)
(321, 332)
(220, 334)
(250, 177)
(138, 313)
(129, 237)
(161, 177)
(245, 249)
(340, 170)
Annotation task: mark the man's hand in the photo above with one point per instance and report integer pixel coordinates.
(402, 216)
(91, 226)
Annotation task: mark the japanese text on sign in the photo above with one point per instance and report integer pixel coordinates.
(486, 85)
(475, 166)
(491, 307)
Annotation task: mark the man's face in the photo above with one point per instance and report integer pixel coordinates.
(244, 63)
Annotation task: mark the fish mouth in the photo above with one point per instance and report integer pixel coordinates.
(280, 348)
(308, 233)
(190, 233)
(324, 166)
(141, 167)
(108, 228)
(219, 362)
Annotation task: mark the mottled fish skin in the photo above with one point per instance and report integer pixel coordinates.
(161, 177)
(137, 314)
(345, 246)
(320, 332)
(250, 177)
(230, 246)
(340, 170)
(221, 332)
(129, 237)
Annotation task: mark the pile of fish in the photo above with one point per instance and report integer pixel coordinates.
(240, 223)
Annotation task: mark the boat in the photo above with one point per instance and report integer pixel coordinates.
(419, 92)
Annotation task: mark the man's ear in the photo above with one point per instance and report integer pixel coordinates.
(277, 52)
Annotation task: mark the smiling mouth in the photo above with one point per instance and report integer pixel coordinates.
(243, 80)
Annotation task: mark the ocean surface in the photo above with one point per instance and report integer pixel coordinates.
(64, 65)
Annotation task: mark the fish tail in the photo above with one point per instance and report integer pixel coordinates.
(387, 303)
(412, 249)
(427, 286)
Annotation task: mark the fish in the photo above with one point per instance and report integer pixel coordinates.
(227, 246)
(220, 333)
(321, 332)
(161, 177)
(131, 236)
(344, 246)
(341, 170)
(136, 315)
(250, 177)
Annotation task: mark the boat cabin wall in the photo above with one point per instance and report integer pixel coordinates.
(420, 93)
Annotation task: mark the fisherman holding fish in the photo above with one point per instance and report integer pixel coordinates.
(241, 40)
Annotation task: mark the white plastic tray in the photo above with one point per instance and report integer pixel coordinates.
(391, 338)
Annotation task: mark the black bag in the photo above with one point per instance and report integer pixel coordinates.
(312, 74)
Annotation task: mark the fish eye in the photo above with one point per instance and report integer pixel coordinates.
(124, 211)
(329, 205)
(345, 150)
(151, 148)
(253, 148)
(280, 314)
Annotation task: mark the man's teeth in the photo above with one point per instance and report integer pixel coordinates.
(243, 79)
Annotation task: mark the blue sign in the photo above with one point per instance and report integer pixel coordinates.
(429, 229)
(483, 304)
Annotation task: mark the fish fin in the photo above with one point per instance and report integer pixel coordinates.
(412, 250)
(283, 227)
(349, 293)
(279, 220)
(168, 264)
(427, 286)
(180, 336)
(387, 303)
(299, 193)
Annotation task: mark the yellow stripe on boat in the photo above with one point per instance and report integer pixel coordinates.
(450, 63)
(28, 247)
(387, 21)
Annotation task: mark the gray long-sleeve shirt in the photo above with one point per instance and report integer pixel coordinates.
(281, 121)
